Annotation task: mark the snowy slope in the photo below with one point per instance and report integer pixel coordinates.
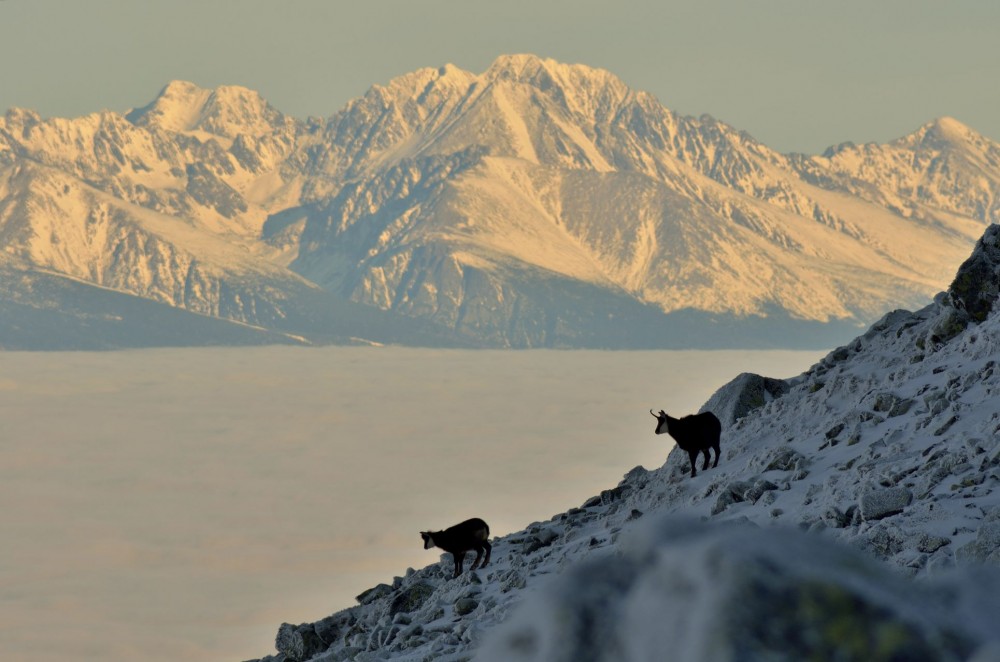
(524, 206)
(880, 466)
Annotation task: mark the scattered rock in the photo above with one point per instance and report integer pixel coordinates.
(723, 501)
(885, 502)
(608, 497)
(985, 548)
(465, 606)
(835, 430)
(882, 542)
(891, 405)
(411, 598)
(835, 518)
(298, 642)
(758, 489)
(784, 459)
(929, 544)
(374, 593)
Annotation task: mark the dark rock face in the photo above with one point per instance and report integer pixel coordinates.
(977, 283)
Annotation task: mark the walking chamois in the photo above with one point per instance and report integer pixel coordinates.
(471, 534)
(695, 434)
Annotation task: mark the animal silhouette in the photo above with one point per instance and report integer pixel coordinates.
(695, 434)
(468, 535)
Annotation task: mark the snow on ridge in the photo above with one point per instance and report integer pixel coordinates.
(178, 107)
(226, 111)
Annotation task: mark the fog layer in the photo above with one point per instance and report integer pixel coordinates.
(162, 504)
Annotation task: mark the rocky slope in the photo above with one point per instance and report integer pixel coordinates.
(524, 206)
(855, 513)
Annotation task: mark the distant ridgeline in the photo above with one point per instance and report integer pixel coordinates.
(537, 204)
(854, 515)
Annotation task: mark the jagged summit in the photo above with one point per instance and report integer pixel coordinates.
(227, 111)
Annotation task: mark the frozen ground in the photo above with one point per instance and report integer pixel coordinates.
(178, 504)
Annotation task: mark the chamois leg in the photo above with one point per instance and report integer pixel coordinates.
(708, 456)
(715, 447)
(479, 555)
(693, 456)
(489, 550)
(459, 559)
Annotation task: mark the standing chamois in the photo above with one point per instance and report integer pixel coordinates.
(695, 434)
(461, 538)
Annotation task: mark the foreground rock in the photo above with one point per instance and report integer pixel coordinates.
(691, 592)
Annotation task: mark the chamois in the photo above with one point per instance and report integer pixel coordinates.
(695, 434)
(471, 534)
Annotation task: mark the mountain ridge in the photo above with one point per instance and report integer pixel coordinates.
(427, 195)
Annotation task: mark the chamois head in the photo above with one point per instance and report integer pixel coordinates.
(662, 425)
(428, 540)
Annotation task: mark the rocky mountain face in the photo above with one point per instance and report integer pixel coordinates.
(535, 204)
(854, 515)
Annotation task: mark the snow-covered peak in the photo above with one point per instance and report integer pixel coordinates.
(579, 88)
(942, 133)
(527, 67)
(177, 107)
(417, 84)
(227, 111)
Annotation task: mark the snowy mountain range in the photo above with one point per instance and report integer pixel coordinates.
(854, 515)
(535, 204)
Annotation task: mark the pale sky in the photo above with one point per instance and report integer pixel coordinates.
(798, 75)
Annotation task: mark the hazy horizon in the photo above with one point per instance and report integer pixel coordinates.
(796, 76)
(186, 502)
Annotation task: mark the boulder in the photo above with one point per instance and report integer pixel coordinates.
(985, 548)
(885, 502)
(977, 282)
(742, 395)
(298, 642)
(373, 594)
(465, 606)
(410, 599)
